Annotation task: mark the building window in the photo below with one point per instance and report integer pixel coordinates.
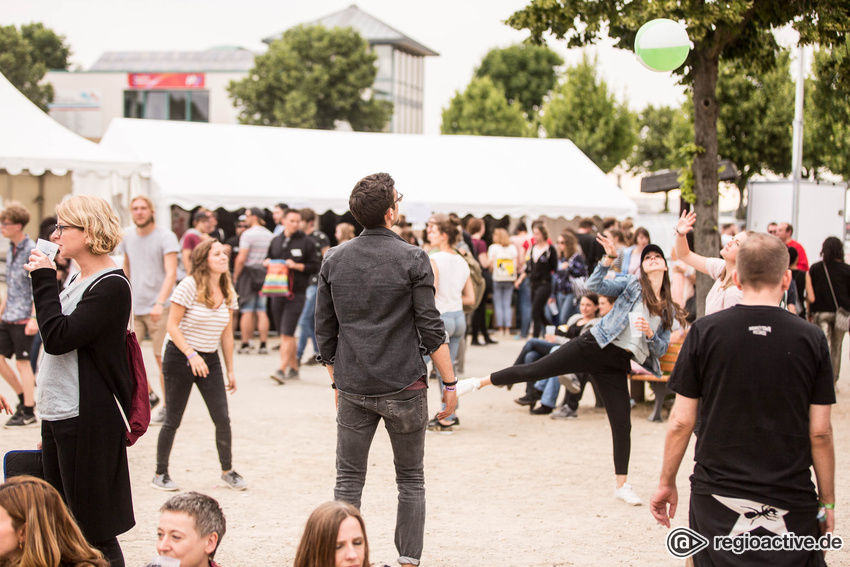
(192, 106)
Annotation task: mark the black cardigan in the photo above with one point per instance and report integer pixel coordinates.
(102, 502)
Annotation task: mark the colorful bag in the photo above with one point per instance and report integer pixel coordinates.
(276, 283)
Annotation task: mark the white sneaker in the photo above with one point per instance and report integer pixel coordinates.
(570, 382)
(627, 495)
(468, 385)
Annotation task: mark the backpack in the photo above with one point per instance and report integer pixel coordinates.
(140, 406)
(478, 283)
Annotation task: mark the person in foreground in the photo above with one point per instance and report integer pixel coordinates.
(335, 536)
(84, 381)
(607, 350)
(200, 323)
(37, 530)
(761, 380)
(191, 527)
(376, 317)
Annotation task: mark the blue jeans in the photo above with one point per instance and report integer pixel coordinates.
(524, 307)
(502, 294)
(455, 322)
(307, 323)
(550, 388)
(566, 307)
(405, 415)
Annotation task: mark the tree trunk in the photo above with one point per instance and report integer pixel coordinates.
(741, 214)
(706, 235)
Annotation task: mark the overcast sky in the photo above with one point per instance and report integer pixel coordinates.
(461, 31)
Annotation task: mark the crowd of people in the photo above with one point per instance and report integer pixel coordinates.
(595, 305)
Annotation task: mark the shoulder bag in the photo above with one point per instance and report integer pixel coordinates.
(842, 316)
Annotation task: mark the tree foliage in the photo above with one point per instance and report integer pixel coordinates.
(483, 110)
(662, 133)
(526, 73)
(826, 136)
(25, 57)
(311, 78)
(585, 111)
(731, 30)
(756, 119)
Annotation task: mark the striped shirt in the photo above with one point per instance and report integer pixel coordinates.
(201, 325)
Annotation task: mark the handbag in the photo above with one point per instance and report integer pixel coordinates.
(276, 283)
(842, 316)
(139, 418)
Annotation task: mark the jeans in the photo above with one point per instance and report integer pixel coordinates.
(566, 307)
(307, 323)
(502, 294)
(524, 308)
(550, 388)
(178, 385)
(826, 321)
(455, 322)
(405, 415)
(531, 351)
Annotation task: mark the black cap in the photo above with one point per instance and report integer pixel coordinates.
(258, 212)
(651, 248)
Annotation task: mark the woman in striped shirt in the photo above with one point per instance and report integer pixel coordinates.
(199, 322)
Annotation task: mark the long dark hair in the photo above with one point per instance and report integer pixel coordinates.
(832, 251)
(663, 306)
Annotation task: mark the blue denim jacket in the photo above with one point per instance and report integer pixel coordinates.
(626, 288)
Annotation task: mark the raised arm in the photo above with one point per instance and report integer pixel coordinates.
(683, 252)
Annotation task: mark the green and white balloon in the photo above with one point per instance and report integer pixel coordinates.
(662, 45)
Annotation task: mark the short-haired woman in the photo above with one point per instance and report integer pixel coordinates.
(36, 528)
(191, 527)
(84, 382)
(335, 536)
(200, 322)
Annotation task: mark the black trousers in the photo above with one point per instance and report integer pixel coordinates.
(610, 367)
(59, 457)
(540, 292)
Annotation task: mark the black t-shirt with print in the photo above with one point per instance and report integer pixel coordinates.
(756, 371)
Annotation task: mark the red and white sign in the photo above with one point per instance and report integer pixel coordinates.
(165, 80)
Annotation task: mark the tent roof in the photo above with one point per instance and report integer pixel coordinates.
(35, 142)
(370, 28)
(233, 166)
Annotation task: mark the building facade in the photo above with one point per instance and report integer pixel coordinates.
(192, 85)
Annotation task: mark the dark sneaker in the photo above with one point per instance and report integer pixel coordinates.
(527, 400)
(164, 482)
(234, 480)
(263, 350)
(278, 376)
(292, 374)
(542, 410)
(22, 420)
(153, 398)
(437, 426)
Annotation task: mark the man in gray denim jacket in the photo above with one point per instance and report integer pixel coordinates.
(375, 320)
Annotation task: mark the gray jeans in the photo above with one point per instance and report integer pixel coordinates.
(405, 415)
(826, 321)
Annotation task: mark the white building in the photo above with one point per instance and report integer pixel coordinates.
(192, 85)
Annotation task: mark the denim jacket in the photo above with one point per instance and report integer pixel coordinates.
(626, 288)
(375, 313)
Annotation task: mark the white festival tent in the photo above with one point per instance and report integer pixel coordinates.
(233, 166)
(37, 154)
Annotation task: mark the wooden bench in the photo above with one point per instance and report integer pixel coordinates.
(659, 385)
